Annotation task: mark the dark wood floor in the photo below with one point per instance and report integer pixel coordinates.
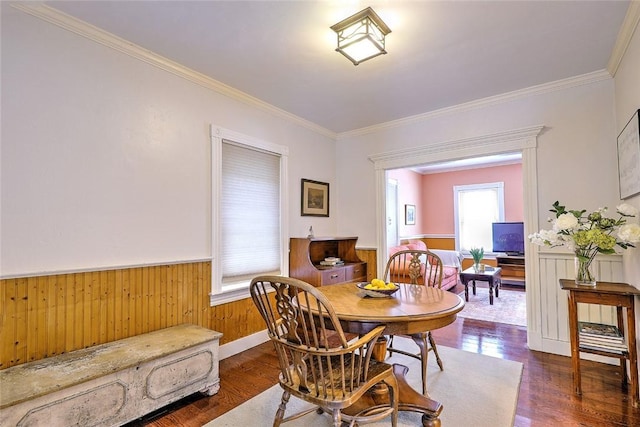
(545, 397)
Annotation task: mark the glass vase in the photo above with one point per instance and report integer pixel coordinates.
(584, 271)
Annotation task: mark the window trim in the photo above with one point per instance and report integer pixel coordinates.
(218, 134)
(499, 186)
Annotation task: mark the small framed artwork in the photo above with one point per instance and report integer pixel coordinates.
(410, 214)
(629, 158)
(315, 198)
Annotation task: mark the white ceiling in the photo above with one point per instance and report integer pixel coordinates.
(441, 53)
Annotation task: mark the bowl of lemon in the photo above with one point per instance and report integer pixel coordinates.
(378, 288)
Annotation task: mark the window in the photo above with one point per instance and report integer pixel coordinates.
(248, 198)
(476, 207)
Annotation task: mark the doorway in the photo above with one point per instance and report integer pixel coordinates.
(392, 213)
(519, 140)
(498, 180)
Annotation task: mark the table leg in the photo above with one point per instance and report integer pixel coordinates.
(491, 291)
(474, 287)
(410, 400)
(380, 349)
(465, 282)
(623, 362)
(497, 285)
(633, 353)
(573, 338)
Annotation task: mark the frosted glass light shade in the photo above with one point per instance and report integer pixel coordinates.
(361, 36)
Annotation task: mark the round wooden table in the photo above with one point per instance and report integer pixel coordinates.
(412, 309)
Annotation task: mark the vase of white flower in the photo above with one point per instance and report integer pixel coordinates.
(584, 273)
(588, 235)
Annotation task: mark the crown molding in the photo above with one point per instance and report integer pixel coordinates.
(67, 22)
(88, 31)
(570, 82)
(629, 26)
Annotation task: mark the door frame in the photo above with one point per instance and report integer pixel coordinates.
(519, 140)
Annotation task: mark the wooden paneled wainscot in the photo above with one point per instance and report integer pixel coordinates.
(44, 316)
(48, 315)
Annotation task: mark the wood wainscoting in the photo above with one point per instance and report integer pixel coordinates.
(45, 316)
(49, 315)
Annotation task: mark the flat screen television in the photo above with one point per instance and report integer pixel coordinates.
(508, 237)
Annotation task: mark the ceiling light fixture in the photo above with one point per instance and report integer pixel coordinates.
(361, 36)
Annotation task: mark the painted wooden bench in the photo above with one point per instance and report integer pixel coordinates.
(114, 383)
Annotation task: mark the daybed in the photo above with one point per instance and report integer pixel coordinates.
(450, 261)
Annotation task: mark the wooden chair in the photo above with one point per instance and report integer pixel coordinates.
(318, 364)
(420, 268)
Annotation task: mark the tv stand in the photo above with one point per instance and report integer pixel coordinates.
(513, 269)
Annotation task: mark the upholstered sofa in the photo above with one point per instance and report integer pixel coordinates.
(450, 261)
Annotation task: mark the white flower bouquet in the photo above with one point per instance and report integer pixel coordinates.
(586, 235)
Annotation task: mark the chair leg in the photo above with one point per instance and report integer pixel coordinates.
(432, 343)
(283, 406)
(394, 398)
(337, 418)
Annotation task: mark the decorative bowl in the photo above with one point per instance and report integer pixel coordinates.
(377, 293)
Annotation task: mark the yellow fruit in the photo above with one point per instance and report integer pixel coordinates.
(377, 283)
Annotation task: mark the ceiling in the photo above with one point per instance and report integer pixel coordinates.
(440, 53)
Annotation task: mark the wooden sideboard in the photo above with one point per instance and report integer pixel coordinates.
(305, 255)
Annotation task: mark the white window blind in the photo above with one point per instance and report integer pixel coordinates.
(476, 208)
(250, 213)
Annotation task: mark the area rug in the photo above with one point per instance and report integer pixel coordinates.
(474, 389)
(510, 307)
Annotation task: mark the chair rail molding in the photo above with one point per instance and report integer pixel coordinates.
(524, 140)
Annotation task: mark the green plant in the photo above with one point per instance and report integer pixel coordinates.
(477, 254)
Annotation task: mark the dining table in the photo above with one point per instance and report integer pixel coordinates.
(411, 309)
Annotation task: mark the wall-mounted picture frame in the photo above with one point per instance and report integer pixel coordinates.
(629, 158)
(315, 198)
(410, 214)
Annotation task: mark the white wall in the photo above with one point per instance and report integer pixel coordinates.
(576, 155)
(106, 159)
(627, 90)
(576, 164)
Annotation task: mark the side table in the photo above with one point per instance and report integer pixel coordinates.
(490, 275)
(620, 295)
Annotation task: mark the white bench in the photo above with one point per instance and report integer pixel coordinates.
(113, 383)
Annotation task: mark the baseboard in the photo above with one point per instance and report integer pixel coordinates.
(242, 344)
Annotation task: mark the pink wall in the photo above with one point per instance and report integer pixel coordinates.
(409, 192)
(437, 195)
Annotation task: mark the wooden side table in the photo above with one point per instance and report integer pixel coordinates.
(491, 275)
(620, 295)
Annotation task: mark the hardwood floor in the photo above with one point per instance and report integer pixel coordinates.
(545, 397)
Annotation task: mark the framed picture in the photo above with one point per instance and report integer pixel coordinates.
(410, 214)
(629, 158)
(315, 198)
